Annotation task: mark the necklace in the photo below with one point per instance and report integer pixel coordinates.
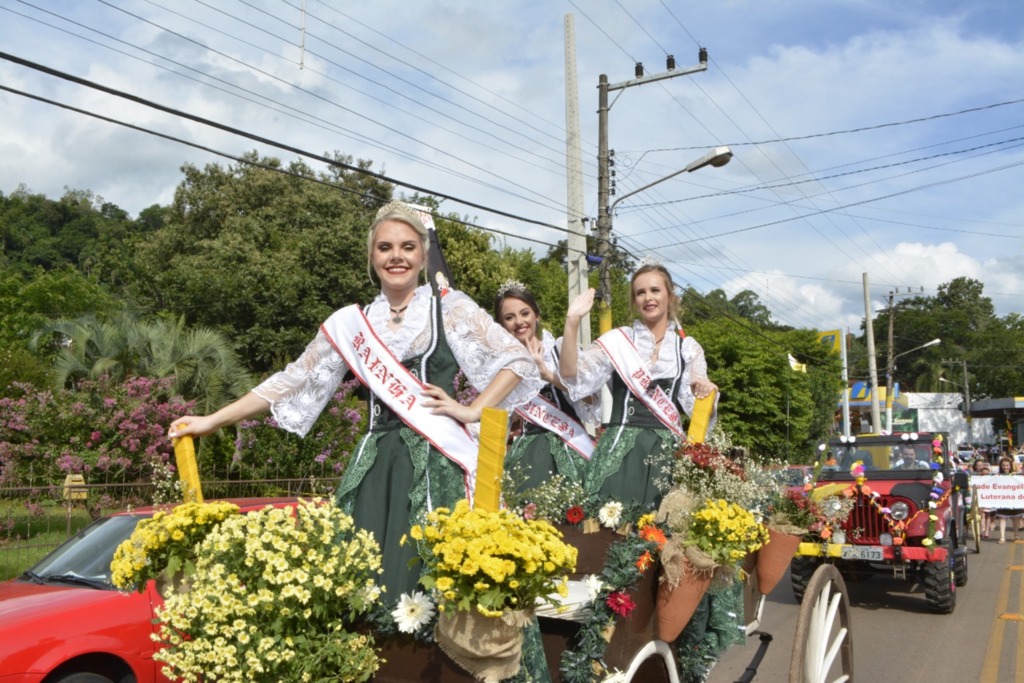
(396, 316)
(656, 348)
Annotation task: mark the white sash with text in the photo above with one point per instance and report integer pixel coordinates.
(633, 371)
(546, 414)
(373, 364)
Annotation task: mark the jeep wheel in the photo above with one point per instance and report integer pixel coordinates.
(939, 587)
(960, 567)
(800, 571)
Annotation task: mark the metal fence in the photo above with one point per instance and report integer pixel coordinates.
(35, 520)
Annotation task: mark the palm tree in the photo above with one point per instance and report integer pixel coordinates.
(204, 366)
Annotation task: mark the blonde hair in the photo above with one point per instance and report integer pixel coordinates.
(396, 211)
(673, 298)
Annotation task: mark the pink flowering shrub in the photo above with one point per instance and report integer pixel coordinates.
(107, 431)
(265, 451)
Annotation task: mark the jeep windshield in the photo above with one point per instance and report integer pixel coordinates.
(883, 458)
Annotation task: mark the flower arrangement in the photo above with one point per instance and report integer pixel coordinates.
(270, 599)
(725, 532)
(491, 561)
(712, 512)
(163, 546)
(557, 500)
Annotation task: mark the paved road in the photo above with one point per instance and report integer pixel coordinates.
(896, 638)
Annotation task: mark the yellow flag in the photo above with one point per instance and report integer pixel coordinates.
(799, 367)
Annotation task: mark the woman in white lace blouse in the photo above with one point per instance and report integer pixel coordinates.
(654, 370)
(396, 474)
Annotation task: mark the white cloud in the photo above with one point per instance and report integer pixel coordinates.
(777, 70)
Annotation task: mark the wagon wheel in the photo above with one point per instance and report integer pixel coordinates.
(823, 631)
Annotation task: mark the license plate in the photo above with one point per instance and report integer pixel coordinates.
(869, 553)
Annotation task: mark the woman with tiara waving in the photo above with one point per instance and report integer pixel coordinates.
(655, 370)
(554, 439)
(405, 348)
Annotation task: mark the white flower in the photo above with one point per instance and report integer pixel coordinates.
(610, 514)
(594, 586)
(615, 677)
(412, 612)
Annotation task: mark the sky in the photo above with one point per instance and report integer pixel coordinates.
(874, 142)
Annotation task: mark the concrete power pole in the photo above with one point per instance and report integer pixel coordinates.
(576, 251)
(869, 329)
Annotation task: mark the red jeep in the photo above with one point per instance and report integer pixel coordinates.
(907, 517)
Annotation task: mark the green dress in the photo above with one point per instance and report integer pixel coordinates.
(633, 458)
(539, 453)
(395, 476)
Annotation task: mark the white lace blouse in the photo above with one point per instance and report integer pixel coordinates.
(481, 347)
(595, 368)
(587, 409)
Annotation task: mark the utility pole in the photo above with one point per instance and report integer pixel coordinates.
(890, 362)
(604, 163)
(869, 331)
(576, 244)
(967, 405)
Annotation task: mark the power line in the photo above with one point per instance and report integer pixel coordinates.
(266, 141)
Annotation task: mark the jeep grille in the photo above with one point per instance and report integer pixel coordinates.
(865, 524)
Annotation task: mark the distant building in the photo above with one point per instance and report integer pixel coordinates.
(917, 412)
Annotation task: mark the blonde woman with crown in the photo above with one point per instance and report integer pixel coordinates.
(405, 348)
(654, 371)
(554, 437)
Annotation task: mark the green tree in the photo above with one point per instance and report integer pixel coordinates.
(29, 299)
(765, 405)
(958, 314)
(262, 256)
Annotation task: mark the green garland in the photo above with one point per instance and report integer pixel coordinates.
(583, 662)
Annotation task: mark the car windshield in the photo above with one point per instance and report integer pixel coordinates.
(85, 558)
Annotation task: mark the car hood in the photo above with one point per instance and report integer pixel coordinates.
(24, 601)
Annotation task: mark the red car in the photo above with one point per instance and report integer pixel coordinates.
(62, 621)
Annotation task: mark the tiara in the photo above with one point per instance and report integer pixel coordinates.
(409, 211)
(648, 260)
(511, 286)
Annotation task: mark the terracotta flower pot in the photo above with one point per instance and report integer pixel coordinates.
(773, 559)
(675, 606)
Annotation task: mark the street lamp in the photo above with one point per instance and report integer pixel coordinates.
(967, 407)
(888, 379)
(716, 158)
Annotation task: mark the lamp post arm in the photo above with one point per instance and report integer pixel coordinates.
(611, 209)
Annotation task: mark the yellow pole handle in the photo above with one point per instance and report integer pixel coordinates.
(701, 418)
(188, 470)
(490, 459)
